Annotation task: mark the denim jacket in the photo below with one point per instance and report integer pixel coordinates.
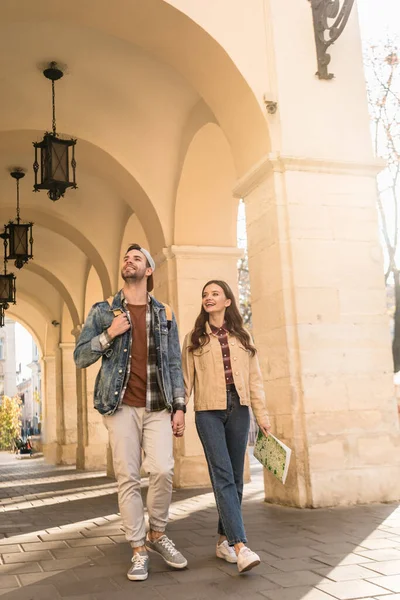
(110, 381)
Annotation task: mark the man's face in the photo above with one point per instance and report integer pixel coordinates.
(134, 266)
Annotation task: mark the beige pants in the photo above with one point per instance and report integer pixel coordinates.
(132, 430)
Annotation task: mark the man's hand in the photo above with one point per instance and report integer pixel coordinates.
(119, 325)
(178, 423)
(265, 425)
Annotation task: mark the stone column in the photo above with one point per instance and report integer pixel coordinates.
(91, 451)
(181, 273)
(53, 411)
(321, 328)
(69, 403)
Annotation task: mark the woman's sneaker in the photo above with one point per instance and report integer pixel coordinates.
(166, 548)
(247, 559)
(226, 552)
(140, 567)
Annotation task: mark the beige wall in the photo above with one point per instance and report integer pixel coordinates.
(167, 102)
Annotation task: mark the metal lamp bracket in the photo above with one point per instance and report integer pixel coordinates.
(326, 34)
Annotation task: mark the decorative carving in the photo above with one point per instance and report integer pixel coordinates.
(326, 34)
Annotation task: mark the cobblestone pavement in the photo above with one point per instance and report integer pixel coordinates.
(61, 537)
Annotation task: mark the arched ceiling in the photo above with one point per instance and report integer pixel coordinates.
(141, 79)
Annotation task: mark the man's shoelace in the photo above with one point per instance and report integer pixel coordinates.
(138, 561)
(168, 545)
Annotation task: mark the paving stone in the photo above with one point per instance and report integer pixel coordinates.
(377, 544)
(18, 557)
(389, 582)
(96, 541)
(347, 590)
(34, 546)
(207, 574)
(390, 567)
(89, 552)
(63, 563)
(138, 590)
(90, 586)
(350, 559)
(40, 592)
(388, 554)
(346, 573)
(296, 578)
(297, 593)
(7, 591)
(296, 564)
(16, 568)
(11, 548)
(8, 581)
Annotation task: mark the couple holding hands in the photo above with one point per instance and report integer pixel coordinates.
(142, 389)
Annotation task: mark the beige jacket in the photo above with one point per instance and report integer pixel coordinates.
(203, 372)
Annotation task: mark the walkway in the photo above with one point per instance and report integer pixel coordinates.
(61, 537)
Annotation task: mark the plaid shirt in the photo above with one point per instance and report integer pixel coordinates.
(154, 396)
(222, 334)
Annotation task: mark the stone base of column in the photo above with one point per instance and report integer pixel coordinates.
(60, 454)
(95, 457)
(52, 453)
(192, 472)
(68, 454)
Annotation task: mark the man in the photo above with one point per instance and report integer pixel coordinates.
(140, 392)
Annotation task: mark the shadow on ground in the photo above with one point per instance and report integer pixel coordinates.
(62, 538)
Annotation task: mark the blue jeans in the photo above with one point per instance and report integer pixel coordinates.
(224, 435)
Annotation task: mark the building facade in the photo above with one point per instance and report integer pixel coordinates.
(29, 390)
(8, 370)
(181, 108)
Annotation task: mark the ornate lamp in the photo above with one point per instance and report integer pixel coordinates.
(19, 234)
(2, 314)
(53, 171)
(7, 280)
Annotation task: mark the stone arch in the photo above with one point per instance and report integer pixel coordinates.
(173, 38)
(60, 287)
(206, 211)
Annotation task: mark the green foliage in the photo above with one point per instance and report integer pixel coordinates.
(10, 426)
(244, 290)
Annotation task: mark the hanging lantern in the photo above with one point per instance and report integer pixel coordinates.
(19, 235)
(57, 156)
(7, 280)
(2, 314)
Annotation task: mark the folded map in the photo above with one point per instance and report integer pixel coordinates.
(273, 454)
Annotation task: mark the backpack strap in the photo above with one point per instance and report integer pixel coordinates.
(168, 314)
(116, 311)
(168, 310)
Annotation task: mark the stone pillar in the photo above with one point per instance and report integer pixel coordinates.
(53, 410)
(50, 426)
(91, 451)
(321, 328)
(69, 403)
(181, 273)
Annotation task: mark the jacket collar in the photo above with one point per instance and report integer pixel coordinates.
(119, 300)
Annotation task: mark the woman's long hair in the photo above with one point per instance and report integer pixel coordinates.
(233, 322)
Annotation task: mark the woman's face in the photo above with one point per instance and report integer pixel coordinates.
(214, 299)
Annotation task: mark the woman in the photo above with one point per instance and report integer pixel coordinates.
(220, 364)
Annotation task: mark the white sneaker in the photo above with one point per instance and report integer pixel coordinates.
(227, 552)
(247, 559)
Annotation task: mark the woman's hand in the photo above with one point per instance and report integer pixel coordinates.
(178, 423)
(265, 425)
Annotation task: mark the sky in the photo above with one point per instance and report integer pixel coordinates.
(378, 19)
